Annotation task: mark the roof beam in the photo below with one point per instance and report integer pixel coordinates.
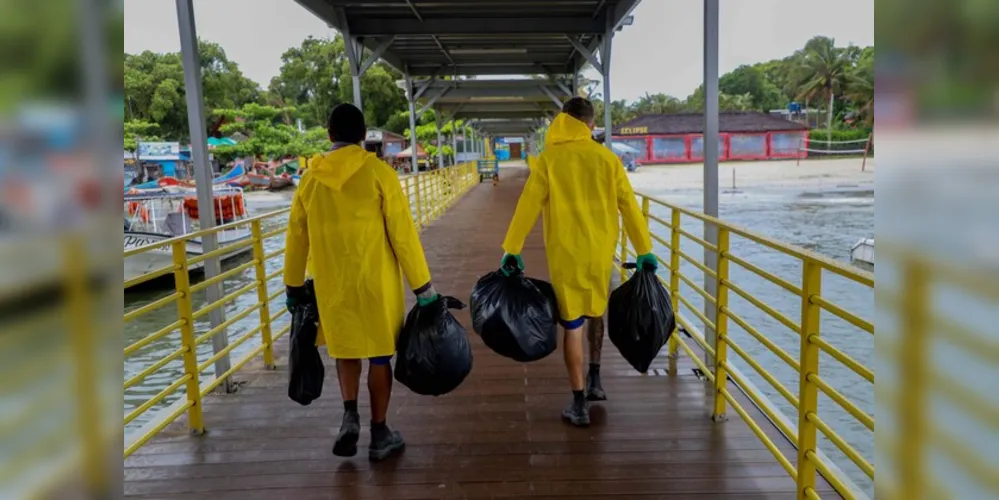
(551, 95)
(476, 26)
(587, 53)
(376, 54)
(431, 101)
(479, 69)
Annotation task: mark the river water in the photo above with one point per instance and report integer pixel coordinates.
(826, 221)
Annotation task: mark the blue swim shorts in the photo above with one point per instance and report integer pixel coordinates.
(572, 325)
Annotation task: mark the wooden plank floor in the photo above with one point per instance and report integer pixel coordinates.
(498, 435)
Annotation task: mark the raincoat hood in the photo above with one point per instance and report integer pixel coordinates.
(565, 128)
(337, 167)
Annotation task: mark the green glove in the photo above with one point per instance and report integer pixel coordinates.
(511, 263)
(647, 261)
(427, 295)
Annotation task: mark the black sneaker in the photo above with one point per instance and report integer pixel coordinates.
(594, 389)
(577, 413)
(350, 432)
(384, 443)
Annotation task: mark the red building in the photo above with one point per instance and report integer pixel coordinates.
(745, 135)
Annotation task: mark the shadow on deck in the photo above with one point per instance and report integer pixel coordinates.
(499, 434)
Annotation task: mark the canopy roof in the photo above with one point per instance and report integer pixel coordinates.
(408, 152)
(476, 37)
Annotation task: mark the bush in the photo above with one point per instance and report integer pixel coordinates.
(820, 136)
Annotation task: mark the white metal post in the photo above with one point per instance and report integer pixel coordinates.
(440, 140)
(454, 139)
(710, 142)
(202, 172)
(414, 159)
(605, 63)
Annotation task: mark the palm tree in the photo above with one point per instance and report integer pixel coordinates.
(827, 68)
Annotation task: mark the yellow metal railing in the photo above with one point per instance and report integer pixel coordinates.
(430, 194)
(717, 366)
(942, 404)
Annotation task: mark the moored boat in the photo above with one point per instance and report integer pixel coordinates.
(154, 217)
(863, 251)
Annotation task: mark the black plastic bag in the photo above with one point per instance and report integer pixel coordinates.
(516, 316)
(640, 318)
(434, 355)
(305, 383)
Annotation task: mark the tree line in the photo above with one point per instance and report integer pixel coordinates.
(315, 76)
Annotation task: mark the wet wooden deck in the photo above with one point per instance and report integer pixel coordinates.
(498, 435)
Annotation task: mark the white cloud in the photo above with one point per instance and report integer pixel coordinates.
(661, 52)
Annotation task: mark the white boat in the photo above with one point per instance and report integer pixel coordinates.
(863, 251)
(151, 218)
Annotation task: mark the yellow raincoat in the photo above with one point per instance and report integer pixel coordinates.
(580, 186)
(350, 224)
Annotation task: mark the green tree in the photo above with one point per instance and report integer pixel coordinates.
(315, 77)
(267, 136)
(823, 72)
(154, 88)
(752, 81)
(136, 130)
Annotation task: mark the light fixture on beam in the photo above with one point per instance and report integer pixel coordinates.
(468, 52)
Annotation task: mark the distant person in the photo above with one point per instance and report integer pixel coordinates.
(351, 226)
(629, 162)
(580, 186)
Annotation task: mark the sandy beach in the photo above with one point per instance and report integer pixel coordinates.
(810, 175)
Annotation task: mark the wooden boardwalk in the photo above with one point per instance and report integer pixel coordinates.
(498, 435)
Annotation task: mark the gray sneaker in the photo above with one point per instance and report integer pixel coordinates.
(594, 389)
(577, 413)
(350, 431)
(384, 444)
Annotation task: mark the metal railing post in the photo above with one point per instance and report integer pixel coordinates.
(721, 325)
(261, 277)
(808, 396)
(674, 275)
(420, 200)
(185, 313)
(623, 256)
(915, 315)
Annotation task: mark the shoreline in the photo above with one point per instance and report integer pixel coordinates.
(810, 175)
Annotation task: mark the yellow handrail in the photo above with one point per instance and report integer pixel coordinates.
(432, 194)
(805, 467)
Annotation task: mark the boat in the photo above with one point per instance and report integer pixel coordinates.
(259, 181)
(863, 251)
(279, 182)
(154, 217)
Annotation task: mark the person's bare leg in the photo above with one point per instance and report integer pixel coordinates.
(384, 441)
(577, 413)
(573, 351)
(380, 387)
(349, 374)
(595, 339)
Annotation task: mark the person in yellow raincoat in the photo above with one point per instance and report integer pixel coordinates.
(580, 186)
(350, 224)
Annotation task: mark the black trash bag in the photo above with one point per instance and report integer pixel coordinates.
(305, 382)
(640, 318)
(516, 316)
(434, 355)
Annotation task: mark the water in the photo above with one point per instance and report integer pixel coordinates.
(828, 222)
(149, 323)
